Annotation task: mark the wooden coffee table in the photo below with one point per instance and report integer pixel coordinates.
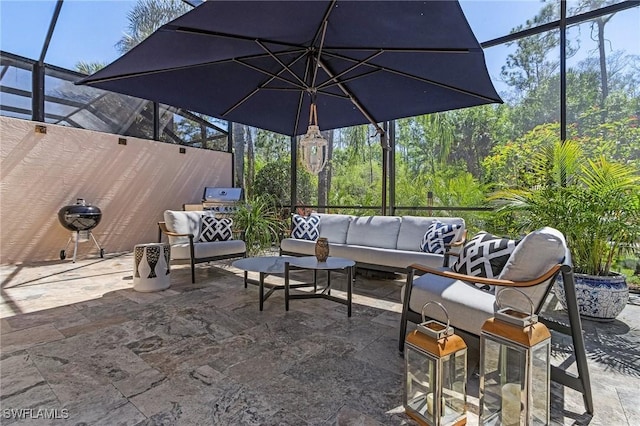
(311, 263)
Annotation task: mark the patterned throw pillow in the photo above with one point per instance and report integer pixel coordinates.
(485, 255)
(305, 227)
(438, 234)
(216, 229)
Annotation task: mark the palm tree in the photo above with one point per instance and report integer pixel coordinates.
(146, 17)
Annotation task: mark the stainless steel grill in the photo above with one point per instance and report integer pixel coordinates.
(222, 200)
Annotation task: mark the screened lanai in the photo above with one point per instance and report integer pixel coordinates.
(80, 343)
(556, 64)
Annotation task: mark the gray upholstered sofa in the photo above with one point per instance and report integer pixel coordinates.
(386, 243)
(184, 228)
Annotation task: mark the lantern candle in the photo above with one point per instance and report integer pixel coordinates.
(511, 404)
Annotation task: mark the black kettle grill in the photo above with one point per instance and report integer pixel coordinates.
(80, 218)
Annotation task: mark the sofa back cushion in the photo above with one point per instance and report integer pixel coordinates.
(334, 227)
(374, 231)
(182, 222)
(538, 252)
(413, 229)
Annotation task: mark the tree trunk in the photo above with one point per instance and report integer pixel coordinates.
(238, 149)
(324, 177)
(603, 65)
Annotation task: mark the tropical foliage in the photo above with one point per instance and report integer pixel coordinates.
(260, 223)
(594, 203)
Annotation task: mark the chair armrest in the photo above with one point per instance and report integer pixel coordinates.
(164, 230)
(488, 281)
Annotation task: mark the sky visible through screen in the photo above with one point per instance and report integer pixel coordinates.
(88, 30)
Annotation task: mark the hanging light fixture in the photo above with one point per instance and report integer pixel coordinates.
(313, 147)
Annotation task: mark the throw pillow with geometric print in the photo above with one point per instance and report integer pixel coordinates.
(485, 255)
(216, 229)
(305, 227)
(438, 235)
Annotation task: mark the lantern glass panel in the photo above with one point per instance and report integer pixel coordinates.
(420, 387)
(540, 377)
(503, 378)
(454, 375)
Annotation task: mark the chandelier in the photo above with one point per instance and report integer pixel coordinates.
(313, 146)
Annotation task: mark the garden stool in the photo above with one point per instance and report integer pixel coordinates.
(151, 270)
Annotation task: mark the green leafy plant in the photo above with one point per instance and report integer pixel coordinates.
(594, 203)
(260, 223)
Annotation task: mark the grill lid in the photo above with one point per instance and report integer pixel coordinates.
(80, 216)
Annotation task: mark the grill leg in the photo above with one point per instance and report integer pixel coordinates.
(75, 246)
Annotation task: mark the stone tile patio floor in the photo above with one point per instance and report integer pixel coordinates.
(78, 341)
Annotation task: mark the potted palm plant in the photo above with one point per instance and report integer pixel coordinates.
(259, 223)
(596, 205)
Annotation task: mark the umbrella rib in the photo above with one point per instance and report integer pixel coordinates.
(253, 92)
(273, 75)
(203, 32)
(348, 70)
(315, 68)
(416, 77)
(405, 49)
(353, 100)
(282, 64)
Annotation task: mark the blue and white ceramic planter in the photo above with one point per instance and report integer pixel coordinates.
(599, 298)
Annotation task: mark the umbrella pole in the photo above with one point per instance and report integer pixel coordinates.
(385, 165)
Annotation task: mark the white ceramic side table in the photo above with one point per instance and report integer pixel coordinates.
(151, 271)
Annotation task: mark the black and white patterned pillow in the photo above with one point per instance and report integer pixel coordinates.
(216, 229)
(438, 234)
(485, 255)
(305, 227)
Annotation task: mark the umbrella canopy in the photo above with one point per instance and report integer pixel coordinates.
(262, 63)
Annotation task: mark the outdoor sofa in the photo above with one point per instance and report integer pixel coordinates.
(382, 243)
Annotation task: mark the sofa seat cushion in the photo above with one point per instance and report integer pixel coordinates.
(334, 227)
(371, 255)
(205, 250)
(468, 306)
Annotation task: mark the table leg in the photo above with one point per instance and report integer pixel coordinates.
(350, 276)
(286, 286)
(315, 280)
(329, 282)
(261, 290)
(246, 277)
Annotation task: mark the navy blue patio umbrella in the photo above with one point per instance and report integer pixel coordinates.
(262, 63)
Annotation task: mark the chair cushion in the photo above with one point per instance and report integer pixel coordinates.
(438, 235)
(468, 307)
(305, 227)
(374, 231)
(485, 255)
(205, 250)
(216, 229)
(538, 252)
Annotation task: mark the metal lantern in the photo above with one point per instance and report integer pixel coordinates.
(435, 374)
(313, 147)
(514, 368)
